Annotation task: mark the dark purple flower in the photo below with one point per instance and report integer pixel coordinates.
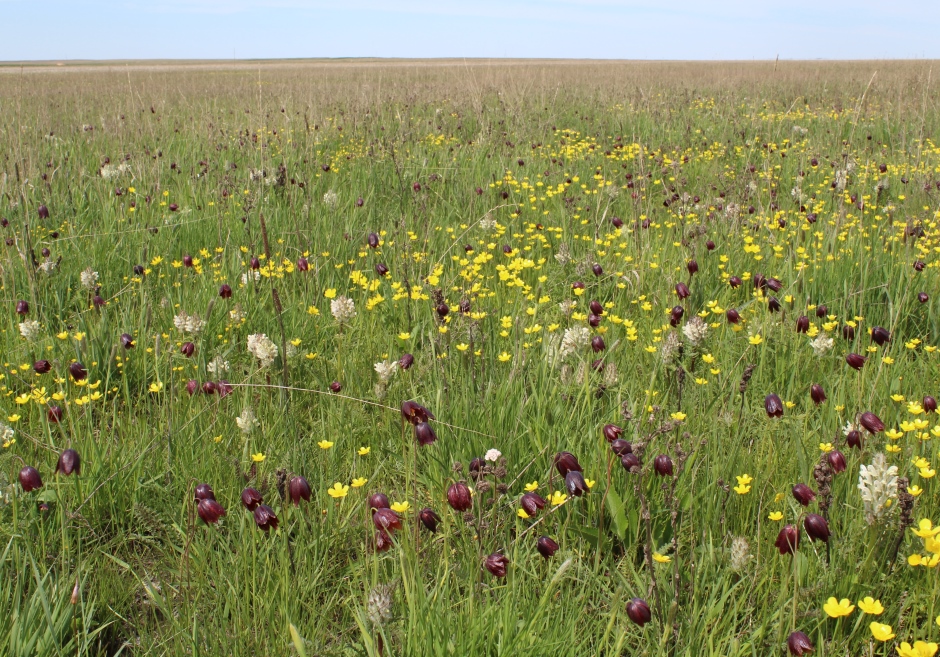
(565, 462)
(682, 291)
(639, 612)
(848, 332)
(69, 462)
(188, 349)
(373, 240)
(298, 489)
(42, 366)
(621, 447)
(415, 413)
(919, 265)
(532, 503)
(733, 316)
(612, 432)
(773, 304)
(424, 433)
(854, 439)
(127, 340)
(204, 492)
(98, 302)
(802, 324)
(855, 361)
(799, 644)
(383, 542)
(629, 461)
(303, 264)
(378, 501)
(187, 260)
(574, 482)
(596, 308)
(265, 517)
(30, 479)
(54, 414)
(662, 464)
(597, 269)
(821, 311)
(597, 344)
(442, 309)
(497, 564)
(225, 291)
(78, 371)
(546, 547)
(735, 281)
(836, 461)
(929, 404)
(209, 387)
(386, 519)
(22, 307)
(922, 297)
(871, 422)
(458, 496)
(406, 361)
(210, 511)
(710, 245)
(251, 498)
(692, 267)
(880, 335)
(773, 405)
(43, 212)
(429, 519)
(817, 393)
(803, 494)
(816, 527)
(788, 540)
(381, 269)
(774, 284)
(336, 386)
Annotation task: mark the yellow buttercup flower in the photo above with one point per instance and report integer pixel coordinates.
(364, 450)
(755, 339)
(258, 458)
(661, 558)
(881, 632)
(775, 516)
(325, 444)
(919, 649)
(400, 507)
(925, 529)
(503, 357)
(678, 416)
(871, 606)
(337, 490)
(359, 482)
(558, 498)
(522, 514)
(531, 486)
(838, 608)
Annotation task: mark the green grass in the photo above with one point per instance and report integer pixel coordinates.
(116, 561)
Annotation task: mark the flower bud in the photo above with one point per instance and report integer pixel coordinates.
(43, 212)
(574, 482)
(612, 432)
(458, 496)
(565, 462)
(379, 501)
(803, 494)
(639, 612)
(429, 519)
(204, 492)
(30, 479)
(597, 269)
(336, 386)
(871, 422)
(629, 461)
(532, 503)
(855, 361)
(836, 461)
(773, 406)
(662, 464)
(187, 260)
(78, 371)
(442, 310)
(69, 462)
(225, 291)
(788, 539)
(42, 366)
(799, 644)
(817, 393)
(265, 517)
(682, 291)
(298, 489)
(880, 335)
(621, 447)
(816, 527)
(424, 433)
(188, 349)
(802, 324)
(251, 498)
(546, 546)
(210, 511)
(497, 564)
(710, 245)
(22, 307)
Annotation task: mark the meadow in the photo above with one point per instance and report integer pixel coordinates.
(469, 358)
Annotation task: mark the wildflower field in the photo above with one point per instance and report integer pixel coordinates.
(470, 358)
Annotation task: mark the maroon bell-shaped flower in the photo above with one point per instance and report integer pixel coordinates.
(612, 432)
(204, 492)
(662, 464)
(42, 366)
(836, 461)
(803, 494)
(799, 644)
(710, 245)
(597, 269)
(424, 434)
(929, 404)
(735, 281)
(210, 511)
(210, 387)
(621, 447)
(383, 542)
(497, 563)
(639, 612)
(69, 462)
(848, 332)
(255, 262)
(880, 335)
(251, 498)
(188, 349)
(429, 519)
(675, 316)
(854, 439)
(597, 344)
(298, 489)
(922, 297)
(43, 212)
(594, 320)
(821, 311)
(379, 501)
(406, 361)
(78, 371)
(682, 291)
(265, 517)
(381, 269)
(98, 302)
(546, 547)
(225, 291)
(802, 324)
(54, 414)
(373, 240)
(855, 361)
(566, 462)
(30, 479)
(415, 413)
(817, 393)
(574, 482)
(630, 461)
(773, 405)
(127, 340)
(596, 308)
(442, 310)
(816, 527)
(386, 519)
(733, 316)
(692, 267)
(531, 503)
(336, 386)
(773, 304)
(871, 422)
(788, 540)
(22, 307)
(458, 496)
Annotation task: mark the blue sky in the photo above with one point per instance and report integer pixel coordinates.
(610, 29)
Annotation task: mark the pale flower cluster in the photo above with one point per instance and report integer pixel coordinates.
(695, 330)
(29, 329)
(89, 278)
(6, 434)
(878, 484)
(331, 199)
(386, 370)
(186, 323)
(261, 347)
(343, 309)
(821, 345)
(217, 366)
(247, 421)
(574, 339)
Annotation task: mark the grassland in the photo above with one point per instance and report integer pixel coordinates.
(470, 211)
